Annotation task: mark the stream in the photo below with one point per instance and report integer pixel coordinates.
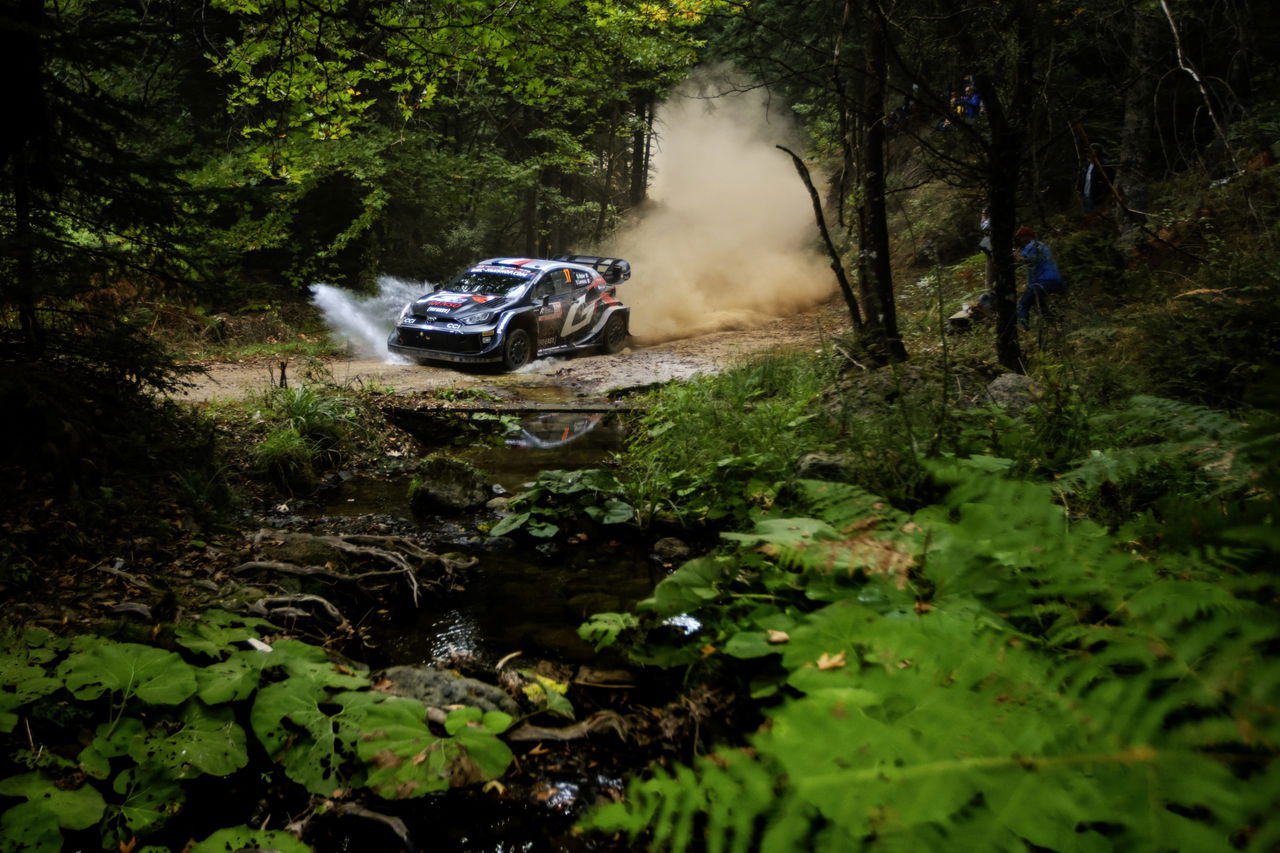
(521, 599)
(521, 602)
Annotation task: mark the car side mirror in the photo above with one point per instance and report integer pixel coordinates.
(546, 299)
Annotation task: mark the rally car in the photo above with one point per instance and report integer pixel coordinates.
(509, 310)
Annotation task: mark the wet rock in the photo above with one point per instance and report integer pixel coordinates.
(439, 688)
(670, 549)
(499, 543)
(498, 504)
(445, 484)
(833, 467)
(1014, 392)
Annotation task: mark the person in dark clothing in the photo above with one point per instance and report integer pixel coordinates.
(1043, 276)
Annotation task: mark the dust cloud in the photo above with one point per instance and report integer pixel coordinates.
(727, 241)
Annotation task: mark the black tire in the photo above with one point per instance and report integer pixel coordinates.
(614, 337)
(517, 351)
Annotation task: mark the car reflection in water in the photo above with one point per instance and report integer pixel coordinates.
(552, 429)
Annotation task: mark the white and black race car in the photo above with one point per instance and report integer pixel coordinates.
(509, 310)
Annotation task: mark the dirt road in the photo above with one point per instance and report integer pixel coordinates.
(550, 379)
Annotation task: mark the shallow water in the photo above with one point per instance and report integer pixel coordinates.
(530, 598)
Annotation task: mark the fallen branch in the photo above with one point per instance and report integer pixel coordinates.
(600, 720)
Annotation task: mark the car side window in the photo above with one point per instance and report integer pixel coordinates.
(563, 279)
(546, 287)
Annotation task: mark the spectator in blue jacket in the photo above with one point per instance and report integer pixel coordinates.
(1043, 276)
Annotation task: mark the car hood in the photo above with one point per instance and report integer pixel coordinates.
(455, 306)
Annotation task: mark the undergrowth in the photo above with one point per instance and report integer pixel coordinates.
(983, 673)
(1056, 632)
(298, 433)
(230, 698)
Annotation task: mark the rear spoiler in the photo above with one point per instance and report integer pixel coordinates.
(614, 270)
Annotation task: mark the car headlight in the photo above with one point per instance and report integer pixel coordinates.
(477, 319)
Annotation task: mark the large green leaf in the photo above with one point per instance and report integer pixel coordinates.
(687, 588)
(405, 759)
(509, 523)
(23, 680)
(152, 675)
(111, 741)
(233, 679)
(209, 741)
(247, 838)
(151, 797)
(218, 631)
(478, 731)
(312, 663)
(34, 825)
(30, 828)
(293, 720)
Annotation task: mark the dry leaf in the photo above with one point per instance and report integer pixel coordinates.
(778, 636)
(826, 661)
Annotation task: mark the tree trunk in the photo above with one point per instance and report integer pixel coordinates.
(640, 149)
(844, 109)
(24, 145)
(1133, 169)
(837, 265)
(1007, 123)
(530, 223)
(883, 319)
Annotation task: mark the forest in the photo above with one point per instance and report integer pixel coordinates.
(935, 572)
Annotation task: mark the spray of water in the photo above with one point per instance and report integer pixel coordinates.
(363, 322)
(728, 240)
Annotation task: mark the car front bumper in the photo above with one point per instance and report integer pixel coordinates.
(434, 344)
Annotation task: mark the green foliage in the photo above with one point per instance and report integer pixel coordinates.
(1212, 342)
(34, 825)
(168, 720)
(984, 673)
(308, 429)
(603, 629)
(153, 675)
(246, 838)
(561, 497)
(714, 449)
(1156, 461)
(285, 458)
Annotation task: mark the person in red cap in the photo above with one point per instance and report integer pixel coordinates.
(1043, 276)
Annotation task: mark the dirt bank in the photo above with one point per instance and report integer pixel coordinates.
(580, 376)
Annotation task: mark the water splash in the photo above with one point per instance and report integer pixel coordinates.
(363, 322)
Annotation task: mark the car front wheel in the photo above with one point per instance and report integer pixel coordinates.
(615, 333)
(517, 351)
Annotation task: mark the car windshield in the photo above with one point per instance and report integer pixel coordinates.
(488, 283)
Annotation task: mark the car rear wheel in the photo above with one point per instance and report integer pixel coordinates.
(615, 333)
(517, 351)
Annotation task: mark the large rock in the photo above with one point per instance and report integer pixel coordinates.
(445, 484)
(1014, 392)
(832, 467)
(440, 688)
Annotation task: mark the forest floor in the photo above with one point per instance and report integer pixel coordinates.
(587, 375)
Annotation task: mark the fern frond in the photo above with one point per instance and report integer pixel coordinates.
(1054, 689)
